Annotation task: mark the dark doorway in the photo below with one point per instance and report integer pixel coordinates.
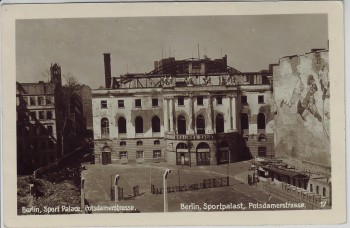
(182, 154)
(244, 121)
(261, 121)
(181, 125)
(200, 123)
(203, 154)
(220, 127)
(223, 153)
(106, 155)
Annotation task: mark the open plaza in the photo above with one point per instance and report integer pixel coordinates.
(99, 180)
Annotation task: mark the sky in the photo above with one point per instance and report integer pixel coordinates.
(251, 43)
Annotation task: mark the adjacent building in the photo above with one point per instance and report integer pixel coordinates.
(302, 125)
(38, 122)
(184, 112)
(51, 120)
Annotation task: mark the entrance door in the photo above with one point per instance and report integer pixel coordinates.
(223, 154)
(182, 154)
(182, 159)
(203, 158)
(106, 158)
(203, 154)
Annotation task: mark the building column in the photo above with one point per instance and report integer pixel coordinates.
(190, 117)
(166, 114)
(209, 124)
(171, 114)
(232, 110)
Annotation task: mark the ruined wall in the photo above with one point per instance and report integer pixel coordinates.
(301, 91)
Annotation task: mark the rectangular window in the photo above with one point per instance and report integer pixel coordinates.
(157, 154)
(244, 100)
(317, 189)
(123, 154)
(199, 100)
(180, 101)
(32, 115)
(120, 103)
(49, 115)
(104, 104)
(48, 101)
(138, 103)
(139, 154)
(40, 101)
(32, 101)
(311, 188)
(261, 99)
(155, 102)
(41, 115)
(219, 100)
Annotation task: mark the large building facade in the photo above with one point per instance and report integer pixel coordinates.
(185, 112)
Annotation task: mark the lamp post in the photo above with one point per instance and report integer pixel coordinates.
(165, 189)
(116, 198)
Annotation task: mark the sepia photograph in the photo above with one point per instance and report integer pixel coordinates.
(173, 113)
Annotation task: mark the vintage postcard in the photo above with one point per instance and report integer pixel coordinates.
(139, 114)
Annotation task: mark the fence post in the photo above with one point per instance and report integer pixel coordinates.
(31, 197)
(82, 196)
(116, 197)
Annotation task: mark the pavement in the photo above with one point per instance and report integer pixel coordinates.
(99, 179)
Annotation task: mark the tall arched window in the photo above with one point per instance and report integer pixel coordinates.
(181, 125)
(200, 123)
(121, 125)
(261, 121)
(155, 124)
(104, 128)
(244, 121)
(220, 127)
(139, 125)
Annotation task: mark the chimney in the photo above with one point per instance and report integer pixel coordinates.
(108, 76)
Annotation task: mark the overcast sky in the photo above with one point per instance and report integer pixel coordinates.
(250, 42)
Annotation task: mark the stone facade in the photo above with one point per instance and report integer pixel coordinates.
(191, 107)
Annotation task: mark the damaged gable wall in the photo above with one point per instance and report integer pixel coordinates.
(301, 91)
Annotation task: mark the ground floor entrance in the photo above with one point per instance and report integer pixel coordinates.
(106, 155)
(203, 154)
(223, 153)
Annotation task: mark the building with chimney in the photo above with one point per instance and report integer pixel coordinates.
(184, 112)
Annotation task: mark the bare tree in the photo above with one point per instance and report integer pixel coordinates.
(67, 91)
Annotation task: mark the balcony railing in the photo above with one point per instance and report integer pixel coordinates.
(175, 136)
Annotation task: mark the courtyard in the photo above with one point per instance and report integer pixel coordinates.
(99, 180)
